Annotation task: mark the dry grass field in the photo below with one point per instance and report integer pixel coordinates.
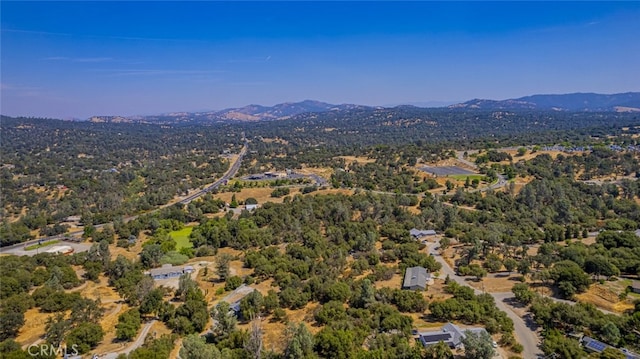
(359, 159)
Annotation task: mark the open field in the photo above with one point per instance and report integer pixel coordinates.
(182, 237)
(464, 177)
(359, 159)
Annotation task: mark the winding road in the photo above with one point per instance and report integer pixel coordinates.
(525, 332)
(134, 345)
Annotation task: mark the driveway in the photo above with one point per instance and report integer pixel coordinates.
(525, 332)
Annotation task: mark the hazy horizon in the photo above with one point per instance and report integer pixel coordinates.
(79, 59)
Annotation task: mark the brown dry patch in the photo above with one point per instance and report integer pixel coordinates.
(351, 159)
(395, 282)
(274, 331)
(495, 282)
(533, 248)
(33, 328)
(603, 297)
(320, 171)
(276, 140)
(262, 195)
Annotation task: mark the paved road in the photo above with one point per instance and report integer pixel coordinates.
(134, 345)
(228, 175)
(502, 180)
(525, 332)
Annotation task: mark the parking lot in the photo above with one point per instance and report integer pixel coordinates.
(446, 170)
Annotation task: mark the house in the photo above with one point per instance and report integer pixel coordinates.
(450, 334)
(595, 346)
(168, 271)
(416, 278)
(635, 286)
(250, 207)
(236, 296)
(421, 233)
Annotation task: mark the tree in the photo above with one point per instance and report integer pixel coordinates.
(477, 345)
(185, 284)
(234, 202)
(253, 345)
(556, 342)
(438, 351)
(611, 333)
(128, 324)
(85, 336)
(10, 323)
(569, 278)
(195, 347)
(222, 266)
(510, 264)
(251, 305)
(299, 342)
(332, 343)
(150, 255)
(152, 302)
(522, 293)
(86, 311)
(224, 319)
(56, 329)
(524, 267)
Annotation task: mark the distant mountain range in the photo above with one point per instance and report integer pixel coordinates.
(575, 102)
(248, 113)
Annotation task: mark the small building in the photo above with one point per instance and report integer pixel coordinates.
(635, 287)
(450, 334)
(416, 278)
(236, 296)
(250, 207)
(421, 233)
(168, 271)
(594, 346)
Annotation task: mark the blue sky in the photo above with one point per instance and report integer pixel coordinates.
(78, 59)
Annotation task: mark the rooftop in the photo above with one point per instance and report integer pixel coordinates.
(415, 276)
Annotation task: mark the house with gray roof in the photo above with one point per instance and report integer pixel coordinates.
(421, 233)
(416, 278)
(168, 271)
(451, 334)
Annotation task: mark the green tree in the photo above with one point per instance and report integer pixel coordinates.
(251, 305)
(10, 323)
(477, 345)
(299, 342)
(150, 255)
(56, 329)
(85, 336)
(332, 343)
(438, 351)
(128, 324)
(510, 264)
(195, 346)
(222, 266)
(224, 319)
